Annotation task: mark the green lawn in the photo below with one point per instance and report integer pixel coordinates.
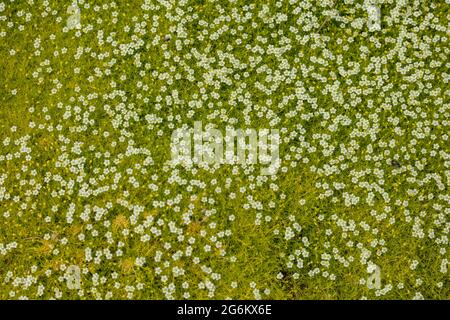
(86, 181)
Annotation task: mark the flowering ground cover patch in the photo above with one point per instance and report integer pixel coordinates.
(312, 149)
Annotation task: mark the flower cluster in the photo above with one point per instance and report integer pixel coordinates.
(91, 94)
